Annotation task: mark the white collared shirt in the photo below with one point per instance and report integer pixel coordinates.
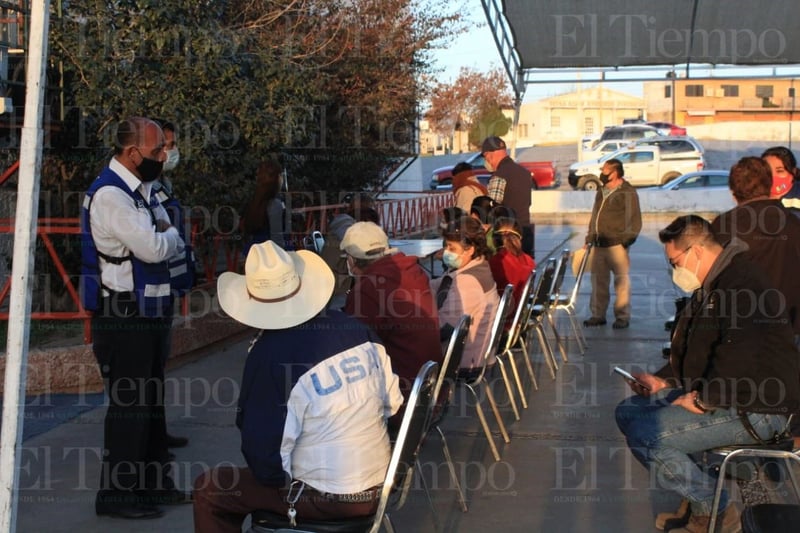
(120, 227)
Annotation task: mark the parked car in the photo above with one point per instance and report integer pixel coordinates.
(673, 144)
(628, 132)
(644, 165)
(543, 173)
(602, 148)
(667, 128)
(704, 180)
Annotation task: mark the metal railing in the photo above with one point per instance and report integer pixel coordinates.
(405, 217)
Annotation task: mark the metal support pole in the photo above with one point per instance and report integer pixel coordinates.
(22, 268)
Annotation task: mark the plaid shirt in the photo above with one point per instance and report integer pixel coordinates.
(497, 189)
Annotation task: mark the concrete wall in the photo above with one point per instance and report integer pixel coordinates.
(651, 201)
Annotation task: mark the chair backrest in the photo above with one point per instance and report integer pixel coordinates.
(573, 295)
(453, 353)
(522, 314)
(542, 294)
(561, 271)
(413, 429)
(497, 330)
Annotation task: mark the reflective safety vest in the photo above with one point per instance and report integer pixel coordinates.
(151, 281)
(181, 266)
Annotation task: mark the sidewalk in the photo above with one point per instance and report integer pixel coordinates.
(566, 468)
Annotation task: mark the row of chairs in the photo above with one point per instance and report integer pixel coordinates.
(537, 308)
(433, 391)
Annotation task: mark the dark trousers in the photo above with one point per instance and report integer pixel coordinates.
(225, 495)
(129, 353)
(528, 239)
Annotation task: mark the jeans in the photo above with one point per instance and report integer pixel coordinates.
(662, 437)
(604, 261)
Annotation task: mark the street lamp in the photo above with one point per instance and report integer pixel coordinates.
(671, 76)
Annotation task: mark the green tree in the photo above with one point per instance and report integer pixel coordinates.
(472, 103)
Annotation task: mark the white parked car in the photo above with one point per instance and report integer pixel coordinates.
(602, 148)
(644, 165)
(704, 180)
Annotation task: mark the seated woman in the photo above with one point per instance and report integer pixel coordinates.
(467, 287)
(510, 264)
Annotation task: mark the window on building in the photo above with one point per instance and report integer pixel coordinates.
(588, 125)
(730, 90)
(555, 122)
(764, 91)
(522, 130)
(693, 90)
(668, 91)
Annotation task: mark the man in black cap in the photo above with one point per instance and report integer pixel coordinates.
(510, 185)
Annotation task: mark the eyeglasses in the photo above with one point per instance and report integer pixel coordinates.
(673, 261)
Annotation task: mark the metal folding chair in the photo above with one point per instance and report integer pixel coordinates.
(538, 311)
(479, 380)
(569, 302)
(447, 378)
(514, 336)
(761, 513)
(555, 295)
(399, 474)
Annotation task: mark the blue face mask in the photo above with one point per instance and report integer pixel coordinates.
(451, 259)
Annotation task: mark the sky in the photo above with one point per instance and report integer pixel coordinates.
(477, 49)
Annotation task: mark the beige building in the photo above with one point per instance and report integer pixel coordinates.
(695, 102)
(569, 117)
(556, 120)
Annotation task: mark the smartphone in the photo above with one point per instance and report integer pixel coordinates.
(629, 378)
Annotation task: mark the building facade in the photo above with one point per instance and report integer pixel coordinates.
(696, 102)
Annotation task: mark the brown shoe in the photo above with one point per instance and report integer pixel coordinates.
(674, 519)
(728, 521)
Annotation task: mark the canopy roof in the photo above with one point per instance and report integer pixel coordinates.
(633, 38)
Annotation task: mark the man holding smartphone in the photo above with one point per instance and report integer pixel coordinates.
(732, 376)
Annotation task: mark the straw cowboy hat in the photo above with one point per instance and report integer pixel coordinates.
(278, 290)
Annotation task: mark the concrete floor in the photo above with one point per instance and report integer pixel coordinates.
(566, 468)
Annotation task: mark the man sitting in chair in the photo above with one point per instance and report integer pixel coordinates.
(732, 377)
(316, 386)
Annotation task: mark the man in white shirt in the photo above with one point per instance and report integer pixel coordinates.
(126, 241)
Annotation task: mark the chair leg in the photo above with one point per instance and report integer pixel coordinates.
(556, 336)
(484, 424)
(496, 411)
(527, 359)
(434, 515)
(576, 329)
(547, 351)
(387, 525)
(450, 466)
(507, 383)
(517, 379)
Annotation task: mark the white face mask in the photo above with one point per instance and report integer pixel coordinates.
(685, 279)
(173, 158)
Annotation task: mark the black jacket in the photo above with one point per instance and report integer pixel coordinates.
(517, 195)
(616, 219)
(732, 344)
(772, 234)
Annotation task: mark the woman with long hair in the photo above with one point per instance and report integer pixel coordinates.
(467, 287)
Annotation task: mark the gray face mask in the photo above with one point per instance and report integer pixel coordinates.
(173, 158)
(685, 279)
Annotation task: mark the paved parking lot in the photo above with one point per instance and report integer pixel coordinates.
(719, 155)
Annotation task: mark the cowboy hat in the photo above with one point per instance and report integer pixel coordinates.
(278, 290)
